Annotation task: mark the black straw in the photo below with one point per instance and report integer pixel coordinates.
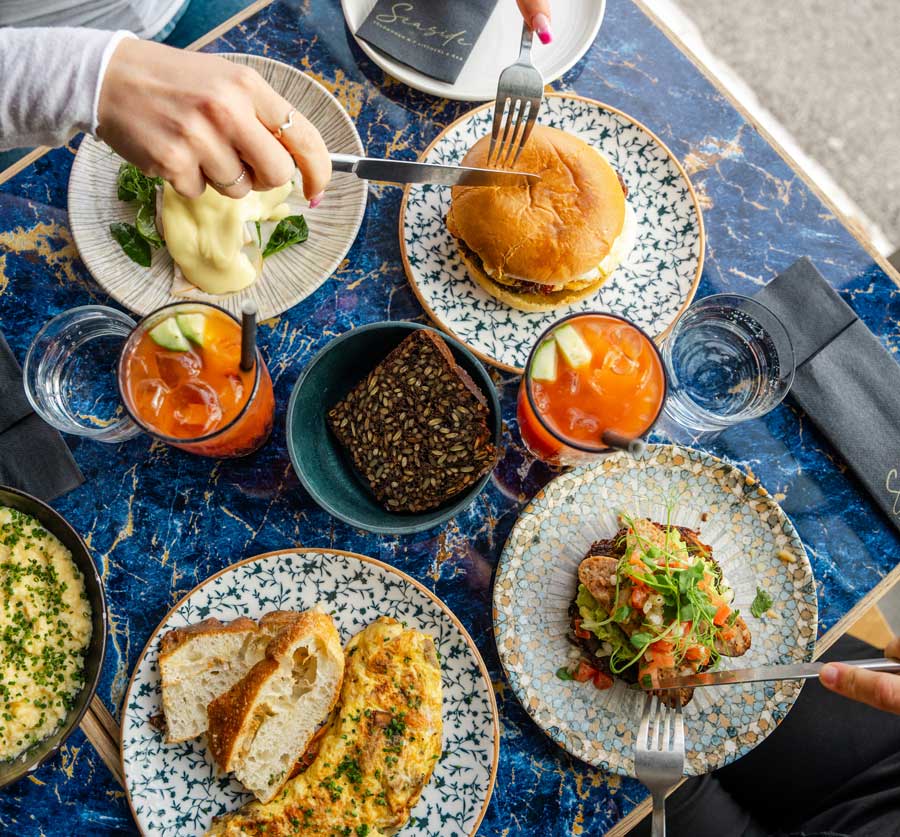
(612, 439)
(248, 336)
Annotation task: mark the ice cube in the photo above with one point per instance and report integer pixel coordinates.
(235, 388)
(579, 422)
(596, 381)
(570, 381)
(176, 368)
(541, 399)
(628, 340)
(196, 407)
(617, 362)
(153, 390)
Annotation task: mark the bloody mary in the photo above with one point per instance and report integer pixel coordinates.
(588, 374)
(181, 381)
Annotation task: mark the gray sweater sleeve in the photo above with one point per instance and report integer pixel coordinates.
(51, 82)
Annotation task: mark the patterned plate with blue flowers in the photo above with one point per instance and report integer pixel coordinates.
(752, 539)
(175, 791)
(651, 288)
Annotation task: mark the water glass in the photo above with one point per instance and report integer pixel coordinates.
(70, 373)
(729, 359)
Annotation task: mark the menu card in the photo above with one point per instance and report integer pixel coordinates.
(33, 456)
(846, 381)
(432, 36)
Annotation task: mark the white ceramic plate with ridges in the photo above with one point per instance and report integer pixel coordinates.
(174, 790)
(653, 286)
(287, 278)
(538, 575)
(575, 26)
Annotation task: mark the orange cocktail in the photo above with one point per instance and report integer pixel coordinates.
(588, 374)
(181, 380)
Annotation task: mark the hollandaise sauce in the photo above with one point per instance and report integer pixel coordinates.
(181, 380)
(208, 239)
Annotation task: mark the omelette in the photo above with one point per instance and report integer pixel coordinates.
(377, 754)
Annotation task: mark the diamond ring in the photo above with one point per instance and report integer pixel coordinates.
(234, 182)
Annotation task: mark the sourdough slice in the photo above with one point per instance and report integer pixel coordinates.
(199, 662)
(262, 725)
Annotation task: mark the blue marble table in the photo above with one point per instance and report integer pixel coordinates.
(159, 521)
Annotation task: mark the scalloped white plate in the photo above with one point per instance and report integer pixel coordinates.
(288, 277)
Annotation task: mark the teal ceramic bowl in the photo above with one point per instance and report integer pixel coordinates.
(322, 465)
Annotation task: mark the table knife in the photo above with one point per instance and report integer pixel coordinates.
(800, 671)
(405, 171)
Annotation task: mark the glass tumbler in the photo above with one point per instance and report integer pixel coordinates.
(70, 373)
(729, 359)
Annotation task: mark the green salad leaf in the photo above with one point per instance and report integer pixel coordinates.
(761, 603)
(133, 185)
(145, 222)
(291, 230)
(132, 242)
(596, 620)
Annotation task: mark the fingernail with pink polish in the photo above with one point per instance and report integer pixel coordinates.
(541, 24)
(315, 200)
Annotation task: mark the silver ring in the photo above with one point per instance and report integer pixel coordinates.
(234, 182)
(288, 123)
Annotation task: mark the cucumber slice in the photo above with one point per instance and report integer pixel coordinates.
(571, 344)
(169, 336)
(193, 326)
(543, 367)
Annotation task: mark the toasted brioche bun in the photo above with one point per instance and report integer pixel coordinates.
(556, 232)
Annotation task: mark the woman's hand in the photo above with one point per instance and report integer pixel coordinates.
(877, 688)
(537, 16)
(193, 118)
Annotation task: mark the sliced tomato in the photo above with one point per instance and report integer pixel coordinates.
(697, 654)
(602, 680)
(661, 646)
(584, 672)
(580, 632)
(721, 614)
(638, 597)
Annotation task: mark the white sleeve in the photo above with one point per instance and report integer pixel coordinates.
(50, 84)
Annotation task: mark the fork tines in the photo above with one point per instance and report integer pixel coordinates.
(512, 127)
(661, 726)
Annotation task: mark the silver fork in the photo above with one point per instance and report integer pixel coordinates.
(659, 755)
(519, 95)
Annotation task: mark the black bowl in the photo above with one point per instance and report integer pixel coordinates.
(13, 770)
(322, 465)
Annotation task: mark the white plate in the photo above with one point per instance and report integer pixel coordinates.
(174, 790)
(575, 25)
(538, 574)
(288, 277)
(651, 288)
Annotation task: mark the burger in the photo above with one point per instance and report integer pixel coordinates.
(541, 245)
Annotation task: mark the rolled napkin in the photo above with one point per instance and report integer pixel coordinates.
(846, 381)
(434, 37)
(33, 456)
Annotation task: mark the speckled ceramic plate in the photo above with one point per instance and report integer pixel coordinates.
(174, 790)
(575, 26)
(287, 278)
(651, 288)
(538, 575)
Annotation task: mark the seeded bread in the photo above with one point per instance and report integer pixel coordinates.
(417, 427)
(262, 725)
(199, 662)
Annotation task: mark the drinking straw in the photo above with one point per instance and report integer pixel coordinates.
(618, 440)
(248, 336)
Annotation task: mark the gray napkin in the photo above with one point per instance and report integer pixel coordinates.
(846, 381)
(434, 37)
(33, 456)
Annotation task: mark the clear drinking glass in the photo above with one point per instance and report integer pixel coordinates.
(70, 373)
(729, 359)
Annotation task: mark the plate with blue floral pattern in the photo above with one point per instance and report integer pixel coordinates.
(652, 287)
(175, 791)
(753, 541)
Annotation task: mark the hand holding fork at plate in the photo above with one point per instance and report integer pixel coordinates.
(659, 755)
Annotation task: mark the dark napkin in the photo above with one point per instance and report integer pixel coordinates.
(846, 381)
(434, 37)
(33, 456)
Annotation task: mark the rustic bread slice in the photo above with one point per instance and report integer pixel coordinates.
(417, 427)
(199, 662)
(262, 725)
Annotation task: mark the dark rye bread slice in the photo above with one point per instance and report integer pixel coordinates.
(417, 427)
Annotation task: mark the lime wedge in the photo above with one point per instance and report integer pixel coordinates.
(543, 367)
(571, 344)
(193, 326)
(169, 336)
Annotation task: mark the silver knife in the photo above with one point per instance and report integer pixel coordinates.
(799, 671)
(405, 171)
